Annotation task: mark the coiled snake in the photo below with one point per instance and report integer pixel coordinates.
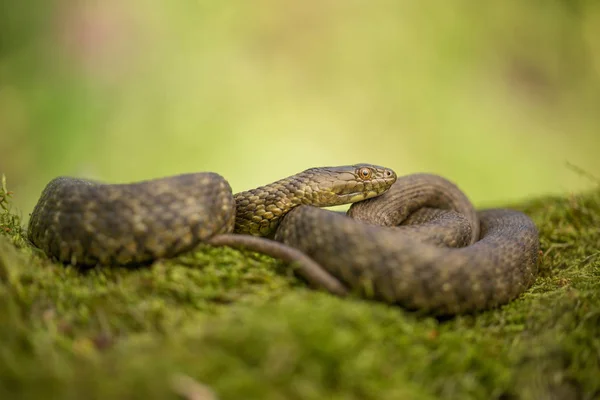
(415, 241)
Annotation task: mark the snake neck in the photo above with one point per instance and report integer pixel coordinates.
(259, 211)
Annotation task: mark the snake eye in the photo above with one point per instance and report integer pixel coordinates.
(364, 173)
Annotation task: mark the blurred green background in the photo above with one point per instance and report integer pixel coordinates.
(499, 96)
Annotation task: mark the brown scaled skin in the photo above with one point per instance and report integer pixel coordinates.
(83, 222)
(88, 223)
(389, 264)
(259, 211)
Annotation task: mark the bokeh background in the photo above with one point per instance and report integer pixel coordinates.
(500, 96)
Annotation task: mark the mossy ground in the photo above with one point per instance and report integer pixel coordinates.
(243, 326)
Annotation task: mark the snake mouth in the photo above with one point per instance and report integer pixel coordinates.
(359, 196)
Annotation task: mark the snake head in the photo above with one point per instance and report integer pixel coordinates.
(331, 186)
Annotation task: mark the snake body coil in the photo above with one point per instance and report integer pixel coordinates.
(87, 223)
(425, 256)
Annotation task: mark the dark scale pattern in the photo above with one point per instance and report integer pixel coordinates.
(411, 193)
(444, 228)
(84, 222)
(433, 261)
(260, 210)
(392, 267)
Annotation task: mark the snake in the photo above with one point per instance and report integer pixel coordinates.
(415, 241)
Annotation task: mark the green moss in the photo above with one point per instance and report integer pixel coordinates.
(243, 325)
